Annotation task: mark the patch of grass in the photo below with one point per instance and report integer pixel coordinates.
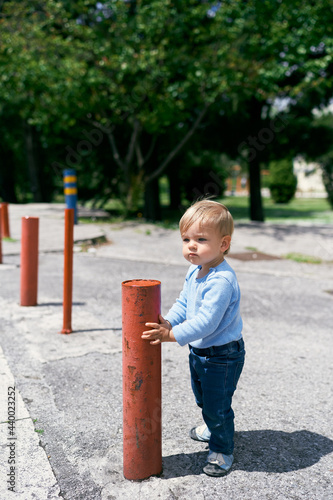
(92, 243)
(39, 431)
(311, 210)
(11, 240)
(298, 257)
(306, 210)
(253, 249)
(100, 220)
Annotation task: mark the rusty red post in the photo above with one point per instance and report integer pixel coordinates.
(29, 261)
(142, 387)
(68, 270)
(5, 220)
(0, 238)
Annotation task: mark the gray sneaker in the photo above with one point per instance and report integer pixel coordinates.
(218, 464)
(201, 433)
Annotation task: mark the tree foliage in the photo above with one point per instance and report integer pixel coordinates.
(105, 86)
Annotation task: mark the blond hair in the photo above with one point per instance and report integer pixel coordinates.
(208, 213)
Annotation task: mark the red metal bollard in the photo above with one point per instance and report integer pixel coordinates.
(68, 271)
(0, 238)
(5, 220)
(29, 261)
(142, 387)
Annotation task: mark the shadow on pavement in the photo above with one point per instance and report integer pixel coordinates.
(49, 304)
(280, 231)
(95, 330)
(258, 451)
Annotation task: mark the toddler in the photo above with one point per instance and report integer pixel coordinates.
(206, 316)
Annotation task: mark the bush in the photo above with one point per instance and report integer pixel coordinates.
(282, 181)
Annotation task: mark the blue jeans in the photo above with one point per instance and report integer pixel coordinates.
(214, 375)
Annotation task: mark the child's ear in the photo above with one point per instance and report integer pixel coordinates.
(225, 244)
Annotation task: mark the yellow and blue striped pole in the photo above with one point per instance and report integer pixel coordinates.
(70, 191)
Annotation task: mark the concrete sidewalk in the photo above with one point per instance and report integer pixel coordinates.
(68, 388)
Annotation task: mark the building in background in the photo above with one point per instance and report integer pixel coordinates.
(309, 178)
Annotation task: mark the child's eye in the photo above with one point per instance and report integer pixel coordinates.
(185, 240)
(202, 239)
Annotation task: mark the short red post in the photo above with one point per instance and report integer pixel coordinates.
(29, 261)
(0, 238)
(68, 271)
(142, 388)
(5, 220)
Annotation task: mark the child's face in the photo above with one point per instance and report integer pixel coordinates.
(204, 246)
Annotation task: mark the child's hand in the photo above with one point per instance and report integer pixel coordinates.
(161, 332)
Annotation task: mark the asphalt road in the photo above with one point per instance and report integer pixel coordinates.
(69, 389)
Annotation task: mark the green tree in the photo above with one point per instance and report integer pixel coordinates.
(142, 71)
(292, 52)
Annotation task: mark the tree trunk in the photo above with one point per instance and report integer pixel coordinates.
(256, 207)
(32, 163)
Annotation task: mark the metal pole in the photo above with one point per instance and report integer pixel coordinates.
(68, 271)
(142, 389)
(0, 237)
(29, 261)
(5, 220)
(70, 190)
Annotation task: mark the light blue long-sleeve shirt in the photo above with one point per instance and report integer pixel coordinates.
(207, 311)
